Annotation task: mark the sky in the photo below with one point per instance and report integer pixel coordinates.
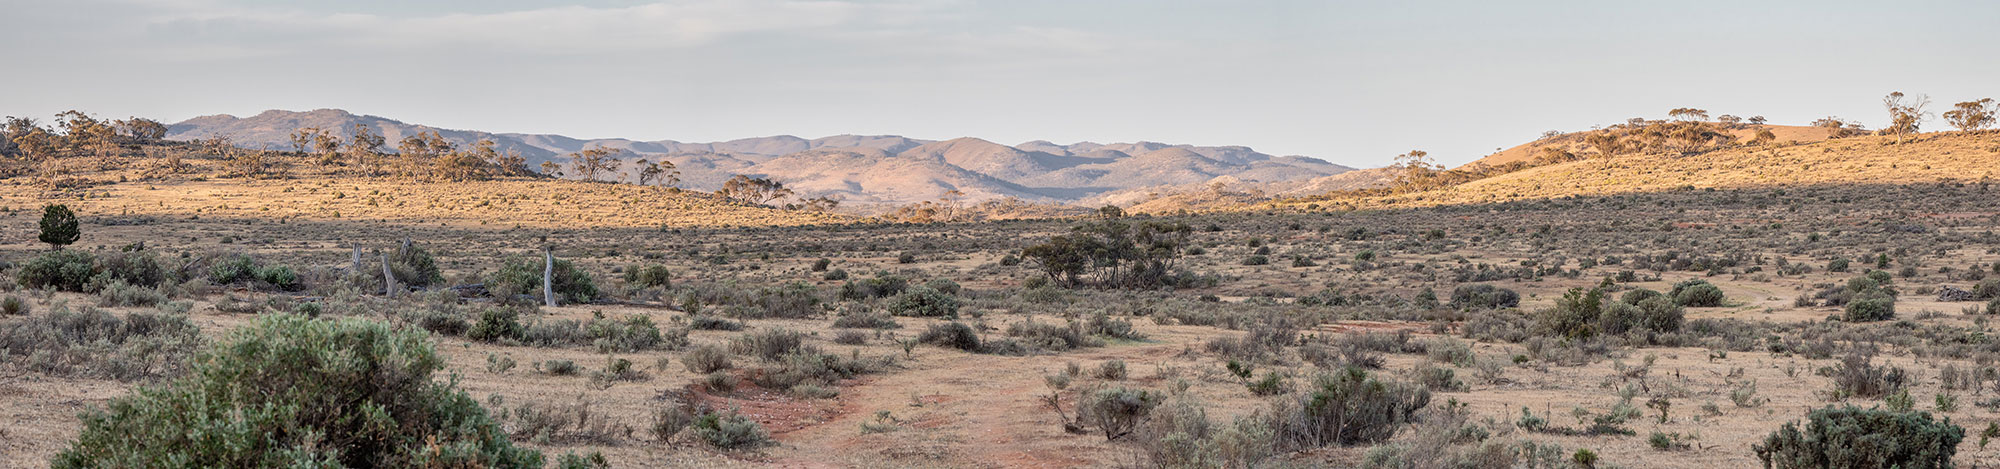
(1352, 82)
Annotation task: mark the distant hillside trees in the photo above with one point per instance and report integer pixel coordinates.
(1971, 115)
(1688, 114)
(663, 172)
(1906, 114)
(1841, 128)
(748, 190)
(594, 161)
(364, 148)
(75, 133)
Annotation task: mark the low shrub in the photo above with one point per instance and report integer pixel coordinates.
(522, 276)
(632, 334)
(96, 343)
(924, 301)
(883, 285)
(712, 323)
(1483, 296)
(66, 270)
(730, 430)
(866, 320)
(15, 306)
(497, 324)
(1346, 407)
(951, 334)
(1696, 293)
(1116, 411)
(705, 359)
(771, 344)
(119, 293)
(1855, 437)
(648, 276)
(292, 391)
(850, 338)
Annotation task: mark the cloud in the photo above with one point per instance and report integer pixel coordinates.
(558, 30)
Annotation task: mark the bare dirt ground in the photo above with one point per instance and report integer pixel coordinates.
(948, 408)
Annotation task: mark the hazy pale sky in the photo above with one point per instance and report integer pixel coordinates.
(1350, 82)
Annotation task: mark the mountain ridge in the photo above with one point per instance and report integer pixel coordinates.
(1037, 170)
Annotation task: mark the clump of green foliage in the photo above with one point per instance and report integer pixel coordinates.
(1116, 254)
(1483, 296)
(523, 276)
(924, 301)
(1856, 437)
(298, 392)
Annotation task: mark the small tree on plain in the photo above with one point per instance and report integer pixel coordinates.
(59, 227)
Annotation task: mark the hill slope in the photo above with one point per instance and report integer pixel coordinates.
(1863, 160)
(866, 169)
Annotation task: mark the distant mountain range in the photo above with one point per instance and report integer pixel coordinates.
(860, 169)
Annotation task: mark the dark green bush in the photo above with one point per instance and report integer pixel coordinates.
(1696, 293)
(1853, 437)
(136, 267)
(67, 270)
(497, 324)
(648, 276)
(1870, 309)
(1638, 295)
(1575, 315)
(232, 268)
(297, 392)
(951, 334)
(924, 301)
(712, 323)
(1867, 298)
(883, 285)
(1483, 296)
(1660, 314)
(280, 276)
(438, 321)
(412, 265)
(59, 226)
(523, 276)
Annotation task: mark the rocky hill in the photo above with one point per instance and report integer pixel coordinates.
(860, 169)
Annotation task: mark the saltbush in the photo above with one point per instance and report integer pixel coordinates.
(1696, 293)
(1483, 296)
(924, 301)
(1346, 407)
(1853, 437)
(523, 276)
(298, 392)
(67, 270)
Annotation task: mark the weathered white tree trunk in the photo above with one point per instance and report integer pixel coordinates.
(388, 278)
(548, 276)
(356, 269)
